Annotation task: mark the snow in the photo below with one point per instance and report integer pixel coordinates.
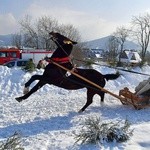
(49, 117)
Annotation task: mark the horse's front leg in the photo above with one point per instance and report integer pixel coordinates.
(32, 79)
(34, 89)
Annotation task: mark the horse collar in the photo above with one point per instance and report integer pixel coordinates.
(61, 60)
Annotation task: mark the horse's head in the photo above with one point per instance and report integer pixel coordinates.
(64, 45)
(62, 40)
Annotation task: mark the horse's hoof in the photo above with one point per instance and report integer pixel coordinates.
(102, 103)
(80, 111)
(25, 90)
(19, 99)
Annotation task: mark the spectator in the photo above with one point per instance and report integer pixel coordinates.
(41, 64)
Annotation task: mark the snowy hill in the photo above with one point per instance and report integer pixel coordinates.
(6, 40)
(103, 42)
(48, 119)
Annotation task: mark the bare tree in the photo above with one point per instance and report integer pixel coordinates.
(141, 30)
(121, 34)
(113, 48)
(70, 31)
(44, 26)
(30, 32)
(17, 40)
(37, 33)
(147, 56)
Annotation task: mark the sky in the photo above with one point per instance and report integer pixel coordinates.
(92, 18)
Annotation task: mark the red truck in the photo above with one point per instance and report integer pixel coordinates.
(8, 54)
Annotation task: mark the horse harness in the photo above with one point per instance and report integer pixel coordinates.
(60, 61)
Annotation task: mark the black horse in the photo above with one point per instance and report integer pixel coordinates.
(57, 76)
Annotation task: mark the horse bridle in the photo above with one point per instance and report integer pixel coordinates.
(54, 39)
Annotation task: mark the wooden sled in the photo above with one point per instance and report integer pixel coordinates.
(129, 98)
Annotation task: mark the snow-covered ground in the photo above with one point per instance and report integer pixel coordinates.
(49, 117)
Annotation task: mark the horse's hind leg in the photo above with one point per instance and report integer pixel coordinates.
(27, 84)
(90, 94)
(34, 89)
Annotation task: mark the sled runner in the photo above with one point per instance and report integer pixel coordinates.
(130, 98)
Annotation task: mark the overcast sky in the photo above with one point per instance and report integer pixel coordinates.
(93, 18)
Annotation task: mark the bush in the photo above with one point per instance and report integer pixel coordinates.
(88, 63)
(12, 143)
(93, 131)
(30, 66)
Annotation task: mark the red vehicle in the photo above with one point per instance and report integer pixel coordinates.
(8, 54)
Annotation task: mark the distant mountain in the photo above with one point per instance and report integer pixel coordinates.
(103, 42)
(6, 40)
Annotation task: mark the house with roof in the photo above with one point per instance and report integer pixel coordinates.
(130, 57)
(93, 53)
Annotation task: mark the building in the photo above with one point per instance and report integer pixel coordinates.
(130, 57)
(93, 53)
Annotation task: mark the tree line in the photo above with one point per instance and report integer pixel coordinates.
(35, 34)
(139, 31)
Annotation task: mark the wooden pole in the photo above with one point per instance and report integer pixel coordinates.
(92, 83)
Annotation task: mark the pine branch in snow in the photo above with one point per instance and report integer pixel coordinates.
(12, 143)
(94, 131)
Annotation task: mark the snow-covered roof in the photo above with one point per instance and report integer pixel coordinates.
(130, 56)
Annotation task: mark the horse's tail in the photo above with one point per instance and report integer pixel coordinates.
(111, 76)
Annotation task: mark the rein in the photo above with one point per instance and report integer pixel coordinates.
(60, 46)
(97, 63)
(88, 81)
(114, 67)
